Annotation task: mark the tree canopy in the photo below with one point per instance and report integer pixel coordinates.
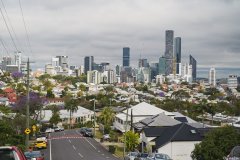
(217, 144)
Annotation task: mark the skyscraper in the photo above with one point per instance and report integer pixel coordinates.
(212, 77)
(193, 62)
(162, 65)
(177, 54)
(88, 63)
(126, 57)
(63, 61)
(169, 51)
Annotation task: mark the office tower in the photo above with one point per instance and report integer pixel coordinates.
(55, 62)
(118, 70)
(193, 62)
(88, 63)
(162, 66)
(212, 77)
(94, 77)
(18, 60)
(142, 63)
(63, 61)
(232, 81)
(6, 61)
(169, 51)
(126, 57)
(177, 54)
(187, 72)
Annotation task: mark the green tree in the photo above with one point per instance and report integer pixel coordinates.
(211, 109)
(55, 118)
(71, 105)
(50, 93)
(107, 116)
(132, 140)
(217, 144)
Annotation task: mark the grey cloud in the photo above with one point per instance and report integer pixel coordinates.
(209, 29)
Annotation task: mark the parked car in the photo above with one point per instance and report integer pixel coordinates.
(42, 139)
(160, 156)
(41, 134)
(106, 137)
(40, 144)
(34, 155)
(142, 156)
(131, 156)
(11, 153)
(57, 129)
(49, 130)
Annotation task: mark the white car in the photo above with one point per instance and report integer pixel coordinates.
(42, 139)
(49, 130)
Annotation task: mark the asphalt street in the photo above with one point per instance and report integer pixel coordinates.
(71, 145)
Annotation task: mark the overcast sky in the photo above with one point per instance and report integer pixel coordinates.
(210, 29)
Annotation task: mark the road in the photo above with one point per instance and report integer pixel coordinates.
(71, 145)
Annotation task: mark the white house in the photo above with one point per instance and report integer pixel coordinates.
(177, 141)
(81, 115)
(139, 112)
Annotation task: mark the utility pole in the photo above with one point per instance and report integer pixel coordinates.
(94, 125)
(124, 146)
(27, 109)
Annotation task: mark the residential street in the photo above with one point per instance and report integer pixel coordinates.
(71, 145)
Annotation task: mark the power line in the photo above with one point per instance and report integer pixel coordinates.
(4, 46)
(27, 35)
(14, 44)
(15, 35)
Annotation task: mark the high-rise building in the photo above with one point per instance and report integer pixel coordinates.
(212, 77)
(177, 54)
(88, 63)
(232, 81)
(193, 62)
(142, 63)
(187, 72)
(63, 61)
(18, 60)
(6, 61)
(162, 66)
(169, 51)
(126, 57)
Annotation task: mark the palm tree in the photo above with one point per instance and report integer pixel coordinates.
(107, 116)
(71, 105)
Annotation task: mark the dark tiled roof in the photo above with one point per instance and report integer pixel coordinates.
(154, 131)
(179, 132)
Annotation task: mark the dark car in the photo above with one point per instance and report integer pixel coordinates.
(142, 156)
(82, 130)
(88, 132)
(34, 154)
(11, 153)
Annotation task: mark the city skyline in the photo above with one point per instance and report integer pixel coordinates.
(78, 29)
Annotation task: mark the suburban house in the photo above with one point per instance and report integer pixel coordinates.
(82, 115)
(159, 120)
(10, 94)
(138, 112)
(177, 141)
